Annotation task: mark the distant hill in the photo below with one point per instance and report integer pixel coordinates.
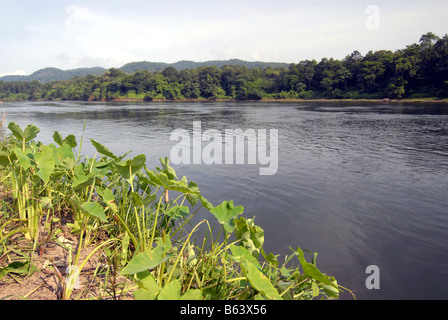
(186, 64)
(54, 74)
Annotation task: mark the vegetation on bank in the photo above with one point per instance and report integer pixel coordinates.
(416, 72)
(139, 224)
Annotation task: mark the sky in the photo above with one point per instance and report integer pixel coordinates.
(69, 34)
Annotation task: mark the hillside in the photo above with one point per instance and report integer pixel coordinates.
(54, 74)
(187, 64)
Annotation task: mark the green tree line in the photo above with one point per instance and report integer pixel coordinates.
(417, 71)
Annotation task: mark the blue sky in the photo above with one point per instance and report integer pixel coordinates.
(69, 34)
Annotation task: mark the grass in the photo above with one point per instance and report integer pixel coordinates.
(108, 227)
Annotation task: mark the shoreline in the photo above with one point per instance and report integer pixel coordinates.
(385, 100)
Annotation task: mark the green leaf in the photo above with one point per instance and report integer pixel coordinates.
(205, 203)
(270, 258)
(103, 150)
(82, 180)
(64, 157)
(129, 168)
(226, 212)
(167, 169)
(18, 268)
(45, 162)
(31, 132)
(171, 291)
(315, 288)
(178, 212)
(24, 159)
(192, 294)
(108, 197)
(70, 140)
(4, 158)
(241, 254)
(145, 260)
(251, 236)
(148, 288)
(259, 281)
(311, 270)
(16, 131)
(94, 209)
(58, 138)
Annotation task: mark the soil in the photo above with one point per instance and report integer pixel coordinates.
(52, 260)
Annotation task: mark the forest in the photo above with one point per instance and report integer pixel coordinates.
(418, 71)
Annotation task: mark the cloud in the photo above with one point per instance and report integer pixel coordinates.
(14, 73)
(75, 16)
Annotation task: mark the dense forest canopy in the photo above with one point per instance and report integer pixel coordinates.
(419, 70)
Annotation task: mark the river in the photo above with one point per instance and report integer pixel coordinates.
(359, 183)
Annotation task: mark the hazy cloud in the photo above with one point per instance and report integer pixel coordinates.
(14, 73)
(112, 33)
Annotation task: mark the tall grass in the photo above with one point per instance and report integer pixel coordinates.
(150, 238)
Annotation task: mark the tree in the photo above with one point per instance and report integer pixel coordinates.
(209, 81)
(170, 74)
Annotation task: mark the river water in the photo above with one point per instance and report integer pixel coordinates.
(360, 184)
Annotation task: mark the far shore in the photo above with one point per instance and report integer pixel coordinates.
(385, 100)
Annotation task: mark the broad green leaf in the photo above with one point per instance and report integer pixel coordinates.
(241, 254)
(331, 290)
(18, 267)
(311, 270)
(45, 162)
(103, 150)
(64, 157)
(270, 258)
(70, 140)
(129, 168)
(179, 186)
(16, 131)
(94, 209)
(192, 294)
(315, 288)
(108, 197)
(137, 199)
(31, 132)
(46, 202)
(226, 212)
(178, 212)
(23, 158)
(4, 158)
(205, 203)
(259, 281)
(251, 236)
(194, 197)
(82, 180)
(167, 169)
(148, 288)
(145, 260)
(171, 291)
(58, 138)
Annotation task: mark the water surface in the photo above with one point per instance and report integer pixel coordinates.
(360, 184)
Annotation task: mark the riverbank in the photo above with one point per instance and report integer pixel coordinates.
(288, 100)
(102, 228)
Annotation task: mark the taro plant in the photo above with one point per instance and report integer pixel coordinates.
(30, 168)
(149, 236)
